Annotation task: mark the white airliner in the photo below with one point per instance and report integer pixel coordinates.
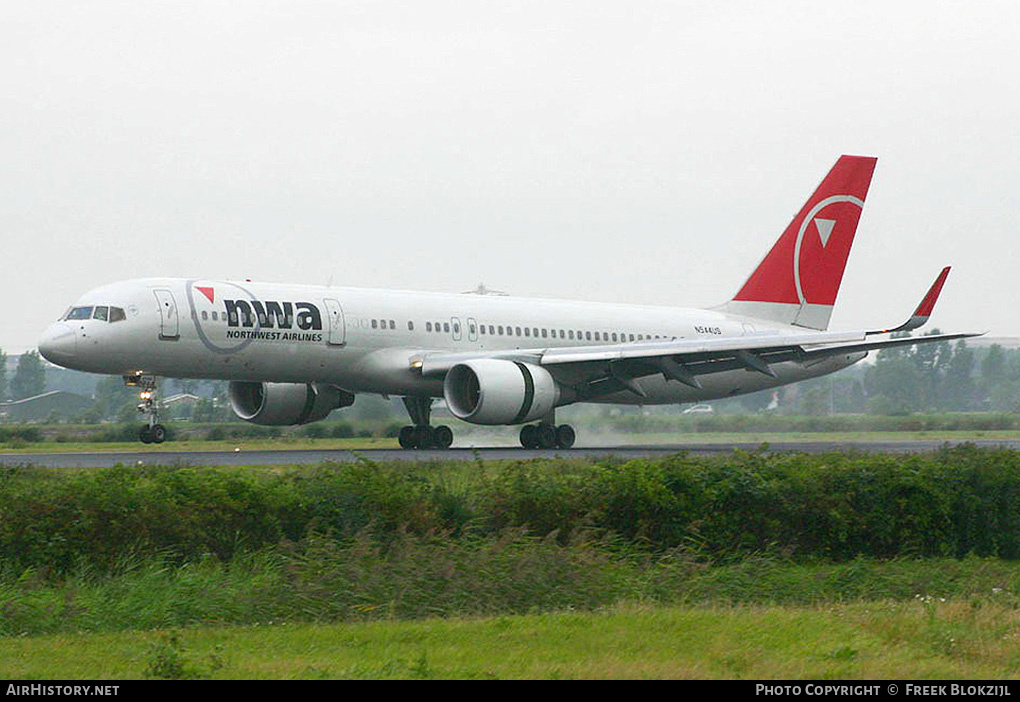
(294, 353)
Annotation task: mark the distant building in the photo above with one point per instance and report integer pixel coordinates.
(183, 399)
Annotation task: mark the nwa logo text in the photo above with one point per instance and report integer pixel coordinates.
(268, 315)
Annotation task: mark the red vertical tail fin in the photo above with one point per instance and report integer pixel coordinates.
(798, 280)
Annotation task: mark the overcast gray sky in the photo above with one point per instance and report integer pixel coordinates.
(645, 152)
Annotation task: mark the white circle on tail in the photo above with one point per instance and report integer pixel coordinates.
(825, 227)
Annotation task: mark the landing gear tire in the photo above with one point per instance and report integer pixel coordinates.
(546, 436)
(442, 437)
(529, 436)
(406, 437)
(565, 436)
(156, 434)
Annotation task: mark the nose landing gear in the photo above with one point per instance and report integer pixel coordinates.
(152, 432)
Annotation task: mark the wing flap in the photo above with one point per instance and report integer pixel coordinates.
(692, 347)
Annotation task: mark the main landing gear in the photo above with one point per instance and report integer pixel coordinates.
(152, 432)
(547, 436)
(421, 435)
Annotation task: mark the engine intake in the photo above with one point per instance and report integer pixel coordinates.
(279, 404)
(494, 391)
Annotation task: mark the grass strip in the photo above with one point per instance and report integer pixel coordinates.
(871, 640)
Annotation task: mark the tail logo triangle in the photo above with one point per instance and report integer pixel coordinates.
(825, 227)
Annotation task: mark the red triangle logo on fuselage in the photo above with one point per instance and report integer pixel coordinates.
(208, 292)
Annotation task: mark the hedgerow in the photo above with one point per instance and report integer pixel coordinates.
(949, 503)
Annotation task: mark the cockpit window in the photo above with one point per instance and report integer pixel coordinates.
(103, 313)
(79, 313)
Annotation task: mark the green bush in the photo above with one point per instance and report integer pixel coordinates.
(22, 434)
(836, 507)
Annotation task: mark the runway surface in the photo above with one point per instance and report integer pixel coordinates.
(168, 456)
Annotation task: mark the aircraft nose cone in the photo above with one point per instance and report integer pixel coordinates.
(59, 344)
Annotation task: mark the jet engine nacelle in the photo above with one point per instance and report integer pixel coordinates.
(279, 404)
(494, 391)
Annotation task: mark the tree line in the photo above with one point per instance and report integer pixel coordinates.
(28, 380)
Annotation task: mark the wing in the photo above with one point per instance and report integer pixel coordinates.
(594, 371)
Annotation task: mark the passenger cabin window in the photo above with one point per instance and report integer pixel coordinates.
(410, 326)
